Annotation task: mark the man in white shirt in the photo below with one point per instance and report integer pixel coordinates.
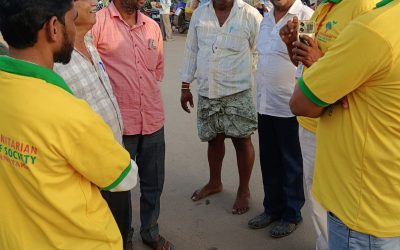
(221, 50)
(166, 29)
(280, 153)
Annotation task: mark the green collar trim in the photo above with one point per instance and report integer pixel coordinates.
(19, 67)
(307, 92)
(332, 1)
(383, 3)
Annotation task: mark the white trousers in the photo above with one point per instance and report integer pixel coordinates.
(318, 214)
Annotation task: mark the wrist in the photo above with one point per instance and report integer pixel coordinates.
(185, 86)
(185, 91)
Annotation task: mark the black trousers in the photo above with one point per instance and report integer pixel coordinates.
(149, 153)
(121, 208)
(281, 167)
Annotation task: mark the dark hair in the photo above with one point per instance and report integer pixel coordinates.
(21, 20)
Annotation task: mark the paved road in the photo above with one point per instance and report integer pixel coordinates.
(208, 224)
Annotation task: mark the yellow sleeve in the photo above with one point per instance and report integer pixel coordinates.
(359, 56)
(363, 6)
(98, 156)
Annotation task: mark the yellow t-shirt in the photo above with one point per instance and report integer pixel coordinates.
(357, 174)
(336, 19)
(54, 154)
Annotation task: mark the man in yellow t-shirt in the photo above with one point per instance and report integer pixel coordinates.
(55, 152)
(357, 177)
(331, 17)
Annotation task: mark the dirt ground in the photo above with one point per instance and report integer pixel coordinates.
(207, 224)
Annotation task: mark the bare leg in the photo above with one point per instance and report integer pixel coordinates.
(245, 159)
(216, 153)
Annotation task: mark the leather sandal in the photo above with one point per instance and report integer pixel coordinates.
(160, 243)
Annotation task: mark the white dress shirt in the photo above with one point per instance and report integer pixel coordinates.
(275, 76)
(165, 7)
(223, 58)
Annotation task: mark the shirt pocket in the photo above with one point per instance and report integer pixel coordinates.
(234, 41)
(151, 54)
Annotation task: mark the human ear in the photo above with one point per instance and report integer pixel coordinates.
(53, 29)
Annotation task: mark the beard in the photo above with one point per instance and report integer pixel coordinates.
(63, 55)
(129, 6)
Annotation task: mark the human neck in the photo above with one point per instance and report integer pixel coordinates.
(81, 31)
(280, 11)
(35, 55)
(223, 5)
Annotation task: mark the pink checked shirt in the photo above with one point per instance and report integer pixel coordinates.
(134, 60)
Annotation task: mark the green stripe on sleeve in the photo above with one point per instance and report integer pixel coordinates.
(307, 92)
(120, 179)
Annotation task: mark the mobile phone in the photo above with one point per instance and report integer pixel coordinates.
(305, 28)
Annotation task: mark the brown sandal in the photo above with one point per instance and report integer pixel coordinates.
(160, 243)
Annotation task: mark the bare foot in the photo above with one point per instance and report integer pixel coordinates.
(206, 191)
(241, 205)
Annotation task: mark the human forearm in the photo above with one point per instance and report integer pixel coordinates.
(300, 105)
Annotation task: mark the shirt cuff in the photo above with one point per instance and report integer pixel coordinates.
(126, 181)
(307, 92)
(188, 79)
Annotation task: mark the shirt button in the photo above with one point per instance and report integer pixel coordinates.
(140, 77)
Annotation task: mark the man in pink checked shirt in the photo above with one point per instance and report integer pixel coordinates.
(131, 47)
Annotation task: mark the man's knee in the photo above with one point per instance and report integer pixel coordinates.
(217, 141)
(242, 142)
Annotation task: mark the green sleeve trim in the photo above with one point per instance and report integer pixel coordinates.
(383, 3)
(307, 92)
(120, 179)
(332, 1)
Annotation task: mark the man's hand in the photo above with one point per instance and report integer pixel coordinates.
(308, 53)
(186, 97)
(288, 33)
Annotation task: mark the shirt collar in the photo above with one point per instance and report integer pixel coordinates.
(113, 10)
(331, 1)
(115, 13)
(296, 7)
(140, 18)
(23, 68)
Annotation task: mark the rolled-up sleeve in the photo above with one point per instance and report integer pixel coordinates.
(191, 49)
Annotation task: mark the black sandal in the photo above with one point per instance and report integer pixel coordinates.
(283, 228)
